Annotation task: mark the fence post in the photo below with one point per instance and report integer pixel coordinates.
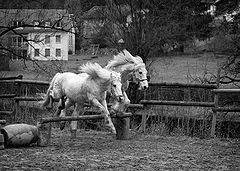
(122, 126)
(187, 97)
(144, 116)
(214, 117)
(17, 101)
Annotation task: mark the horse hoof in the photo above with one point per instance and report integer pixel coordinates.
(114, 132)
(111, 129)
(62, 125)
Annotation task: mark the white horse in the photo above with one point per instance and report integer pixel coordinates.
(129, 67)
(91, 85)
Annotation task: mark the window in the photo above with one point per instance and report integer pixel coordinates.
(19, 41)
(36, 52)
(47, 24)
(58, 24)
(14, 41)
(47, 52)
(58, 38)
(47, 39)
(18, 24)
(70, 40)
(58, 52)
(36, 24)
(25, 39)
(36, 38)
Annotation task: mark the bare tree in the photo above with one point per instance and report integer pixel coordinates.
(22, 29)
(145, 26)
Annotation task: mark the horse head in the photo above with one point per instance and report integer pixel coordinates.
(140, 73)
(116, 86)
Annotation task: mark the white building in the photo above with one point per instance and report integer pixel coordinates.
(40, 34)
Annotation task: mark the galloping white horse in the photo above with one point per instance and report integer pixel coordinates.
(91, 85)
(129, 67)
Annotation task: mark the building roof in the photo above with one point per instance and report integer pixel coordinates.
(28, 16)
(95, 12)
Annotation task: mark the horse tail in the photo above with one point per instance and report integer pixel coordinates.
(47, 97)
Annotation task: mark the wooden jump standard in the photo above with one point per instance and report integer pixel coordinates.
(121, 122)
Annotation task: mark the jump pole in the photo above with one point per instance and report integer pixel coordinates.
(121, 124)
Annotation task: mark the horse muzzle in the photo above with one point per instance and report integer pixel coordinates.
(143, 85)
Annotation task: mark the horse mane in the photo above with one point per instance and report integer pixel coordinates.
(95, 71)
(121, 58)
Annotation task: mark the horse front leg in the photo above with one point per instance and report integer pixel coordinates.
(126, 101)
(78, 108)
(104, 110)
(115, 107)
(122, 107)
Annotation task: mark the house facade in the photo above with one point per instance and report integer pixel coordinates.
(40, 34)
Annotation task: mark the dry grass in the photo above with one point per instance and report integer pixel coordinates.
(184, 68)
(165, 69)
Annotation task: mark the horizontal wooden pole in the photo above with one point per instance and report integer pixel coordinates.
(7, 95)
(226, 91)
(3, 122)
(138, 106)
(208, 86)
(83, 117)
(6, 112)
(12, 78)
(6, 81)
(226, 109)
(32, 82)
(177, 103)
(28, 98)
(110, 104)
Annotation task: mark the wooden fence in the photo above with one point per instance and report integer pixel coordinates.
(213, 104)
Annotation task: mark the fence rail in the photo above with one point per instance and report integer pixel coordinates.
(31, 82)
(213, 104)
(82, 117)
(177, 103)
(163, 84)
(226, 91)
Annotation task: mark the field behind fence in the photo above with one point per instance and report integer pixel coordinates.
(167, 118)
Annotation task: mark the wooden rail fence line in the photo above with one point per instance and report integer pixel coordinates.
(214, 105)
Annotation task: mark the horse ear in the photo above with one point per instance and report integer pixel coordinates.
(138, 59)
(125, 52)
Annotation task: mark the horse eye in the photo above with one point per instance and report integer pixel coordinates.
(140, 72)
(114, 85)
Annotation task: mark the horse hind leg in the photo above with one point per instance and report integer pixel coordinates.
(67, 104)
(61, 104)
(50, 105)
(78, 108)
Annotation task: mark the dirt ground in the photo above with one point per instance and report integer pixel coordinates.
(93, 150)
